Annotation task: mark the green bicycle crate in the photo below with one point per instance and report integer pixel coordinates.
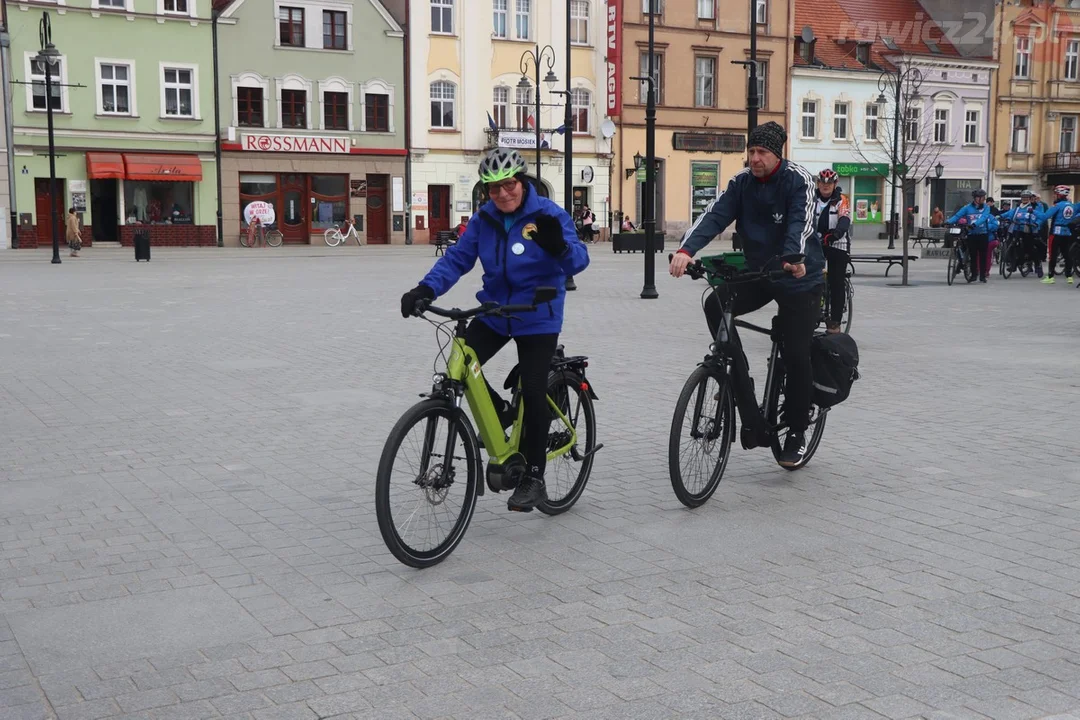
(712, 263)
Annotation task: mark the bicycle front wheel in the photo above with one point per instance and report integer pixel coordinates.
(332, 237)
(568, 472)
(774, 409)
(953, 260)
(274, 238)
(702, 432)
(849, 305)
(244, 241)
(425, 488)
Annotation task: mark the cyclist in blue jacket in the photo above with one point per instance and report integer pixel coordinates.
(1060, 215)
(1024, 226)
(523, 242)
(981, 225)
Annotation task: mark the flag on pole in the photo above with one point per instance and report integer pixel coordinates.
(491, 123)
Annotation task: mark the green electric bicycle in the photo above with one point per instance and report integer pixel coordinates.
(429, 473)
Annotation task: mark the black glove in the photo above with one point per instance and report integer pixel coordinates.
(409, 299)
(549, 235)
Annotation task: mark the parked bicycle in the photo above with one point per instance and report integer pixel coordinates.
(257, 232)
(334, 236)
(438, 468)
(703, 428)
(960, 259)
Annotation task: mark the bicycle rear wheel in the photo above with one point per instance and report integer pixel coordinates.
(244, 240)
(430, 466)
(332, 237)
(568, 473)
(849, 305)
(1009, 259)
(953, 260)
(774, 408)
(702, 431)
(274, 238)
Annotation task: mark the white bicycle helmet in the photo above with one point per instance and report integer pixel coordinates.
(502, 164)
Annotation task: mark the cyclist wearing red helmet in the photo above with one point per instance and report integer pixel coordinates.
(1060, 215)
(832, 220)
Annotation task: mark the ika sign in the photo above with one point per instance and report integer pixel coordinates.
(614, 57)
(295, 143)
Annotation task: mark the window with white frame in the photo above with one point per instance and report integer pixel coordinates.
(522, 19)
(706, 9)
(658, 77)
(499, 12)
(579, 22)
(176, 7)
(523, 102)
(178, 92)
(808, 126)
(1019, 134)
(35, 91)
(581, 100)
(912, 116)
(1072, 57)
(442, 94)
(1022, 67)
(1068, 134)
(762, 87)
(377, 102)
(761, 7)
(971, 127)
(335, 94)
(251, 94)
(112, 5)
(840, 121)
(654, 6)
(115, 95)
(872, 111)
(500, 102)
(442, 17)
(941, 125)
(704, 81)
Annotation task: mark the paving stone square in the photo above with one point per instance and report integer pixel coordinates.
(187, 526)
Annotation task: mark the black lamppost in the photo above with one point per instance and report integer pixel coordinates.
(913, 78)
(48, 58)
(753, 102)
(538, 56)
(648, 291)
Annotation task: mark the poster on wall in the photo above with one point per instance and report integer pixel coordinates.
(262, 210)
(398, 193)
(358, 188)
(704, 182)
(419, 200)
(862, 209)
(78, 201)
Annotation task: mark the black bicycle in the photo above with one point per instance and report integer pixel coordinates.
(960, 258)
(703, 428)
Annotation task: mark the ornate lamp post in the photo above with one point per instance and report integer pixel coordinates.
(539, 56)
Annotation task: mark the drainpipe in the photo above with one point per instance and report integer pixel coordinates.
(5, 74)
(214, 14)
(408, 126)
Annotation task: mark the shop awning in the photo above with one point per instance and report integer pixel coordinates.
(105, 166)
(174, 168)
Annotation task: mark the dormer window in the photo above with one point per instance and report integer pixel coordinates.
(862, 53)
(805, 50)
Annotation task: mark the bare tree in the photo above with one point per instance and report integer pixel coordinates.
(903, 139)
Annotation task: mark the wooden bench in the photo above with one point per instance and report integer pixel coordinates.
(890, 259)
(443, 240)
(929, 236)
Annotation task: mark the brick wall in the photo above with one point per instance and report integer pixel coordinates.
(27, 237)
(172, 235)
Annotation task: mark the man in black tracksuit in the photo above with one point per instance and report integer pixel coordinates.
(771, 203)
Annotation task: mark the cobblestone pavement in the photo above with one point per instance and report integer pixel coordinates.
(186, 523)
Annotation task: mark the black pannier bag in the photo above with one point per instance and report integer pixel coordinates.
(835, 359)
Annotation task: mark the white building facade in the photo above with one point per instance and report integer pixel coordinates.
(465, 68)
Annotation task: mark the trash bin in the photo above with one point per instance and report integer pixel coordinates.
(142, 244)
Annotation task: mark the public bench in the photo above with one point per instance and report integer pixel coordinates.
(890, 259)
(929, 236)
(443, 240)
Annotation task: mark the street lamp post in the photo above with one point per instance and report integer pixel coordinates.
(49, 56)
(648, 290)
(538, 56)
(912, 77)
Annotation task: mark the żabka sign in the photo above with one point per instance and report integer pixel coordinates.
(614, 57)
(294, 143)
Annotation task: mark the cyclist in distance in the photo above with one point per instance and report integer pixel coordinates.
(981, 224)
(1060, 215)
(771, 203)
(833, 224)
(1024, 225)
(523, 242)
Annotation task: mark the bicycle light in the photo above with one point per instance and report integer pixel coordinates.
(438, 378)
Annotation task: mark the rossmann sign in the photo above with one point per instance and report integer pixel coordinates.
(295, 143)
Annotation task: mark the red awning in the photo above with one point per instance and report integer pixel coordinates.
(174, 168)
(105, 166)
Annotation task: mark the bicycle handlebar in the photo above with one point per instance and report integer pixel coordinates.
(697, 271)
(423, 306)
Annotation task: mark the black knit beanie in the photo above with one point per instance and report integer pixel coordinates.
(769, 136)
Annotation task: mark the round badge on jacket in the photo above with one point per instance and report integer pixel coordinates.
(528, 230)
(517, 248)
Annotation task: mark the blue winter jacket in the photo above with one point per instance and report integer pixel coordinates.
(1060, 215)
(514, 266)
(1023, 218)
(980, 221)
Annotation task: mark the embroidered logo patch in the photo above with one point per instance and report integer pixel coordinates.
(528, 230)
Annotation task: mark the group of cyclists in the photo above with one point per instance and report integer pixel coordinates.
(1038, 231)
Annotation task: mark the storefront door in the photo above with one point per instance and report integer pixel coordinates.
(438, 208)
(293, 221)
(104, 210)
(44, 216)
(376, 209)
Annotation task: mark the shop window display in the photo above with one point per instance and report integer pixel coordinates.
(159, 203)
(330, 193)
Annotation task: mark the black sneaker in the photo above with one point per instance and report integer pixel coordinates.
(529, 492)
(794, 449)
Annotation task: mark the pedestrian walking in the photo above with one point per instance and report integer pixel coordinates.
(74, 236)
